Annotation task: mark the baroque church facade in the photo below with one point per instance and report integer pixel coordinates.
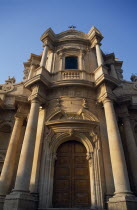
(68, 131)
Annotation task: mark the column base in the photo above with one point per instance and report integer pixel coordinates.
(122, 202)
(2, 199)
(20, 201)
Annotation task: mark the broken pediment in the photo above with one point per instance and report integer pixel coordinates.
(82, 114)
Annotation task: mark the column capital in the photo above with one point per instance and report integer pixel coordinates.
(124, 115)
(36, 98)
(95, 42)
(112, 63)
(48, 44)
(107, 99)
(33, 64)
(89, 155)
(123, 111)
(22, 112)
(45, 45)
(20, 116)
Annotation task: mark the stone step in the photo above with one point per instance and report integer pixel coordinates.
(68, 209)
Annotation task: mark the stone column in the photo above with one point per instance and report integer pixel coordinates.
(44, 56)
(131, 146)
(113, 71)
(100, 60)
(25, 163)
(119, 168)
(37, 153)
(31, 71)
(11, 158)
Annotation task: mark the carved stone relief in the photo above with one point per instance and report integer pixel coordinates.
(9, 84)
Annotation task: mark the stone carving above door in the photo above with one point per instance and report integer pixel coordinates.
(82, 114)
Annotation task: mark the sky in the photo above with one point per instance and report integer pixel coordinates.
(22, 22)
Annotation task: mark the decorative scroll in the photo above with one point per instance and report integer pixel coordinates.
(9, 84)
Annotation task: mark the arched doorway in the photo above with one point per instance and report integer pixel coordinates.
(71, 176)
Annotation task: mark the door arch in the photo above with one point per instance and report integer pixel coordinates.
(71, 186)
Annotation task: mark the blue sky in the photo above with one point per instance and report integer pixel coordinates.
(22, 22)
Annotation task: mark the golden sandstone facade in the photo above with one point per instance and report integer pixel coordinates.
(68, 131)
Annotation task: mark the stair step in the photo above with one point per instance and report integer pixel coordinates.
(68, 209)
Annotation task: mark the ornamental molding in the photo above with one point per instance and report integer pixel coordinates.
(55, 138)
(9, 84)
(82, 114)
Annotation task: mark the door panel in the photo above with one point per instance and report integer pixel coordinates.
(71, 176)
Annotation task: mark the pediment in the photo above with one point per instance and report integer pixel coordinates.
(72, 34)
(82, 114)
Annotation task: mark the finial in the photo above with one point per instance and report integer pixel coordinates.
(72, 27)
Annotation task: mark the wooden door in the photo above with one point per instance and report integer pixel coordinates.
(71, 176)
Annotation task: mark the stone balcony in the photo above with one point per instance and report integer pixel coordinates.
(68, 74)
(71, 77)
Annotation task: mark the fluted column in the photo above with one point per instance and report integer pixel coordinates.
(131, 146)
(119, 168)
(44, 56)
(9, 166)
(25, 163)
(100, 60)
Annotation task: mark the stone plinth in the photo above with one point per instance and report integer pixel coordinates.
(20, 201)
(2, 199)
(122, 202)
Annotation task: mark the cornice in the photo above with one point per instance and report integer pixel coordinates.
(94, 31)
(37, 79)
(71, 122)
(107, 78)
(118, 63)
(72, 82)
(95, 36)
(70, 35)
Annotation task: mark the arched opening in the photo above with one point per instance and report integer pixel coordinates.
(71, 62)
(71, 186)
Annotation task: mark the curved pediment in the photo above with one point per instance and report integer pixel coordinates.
(82, 114)
(70, 34)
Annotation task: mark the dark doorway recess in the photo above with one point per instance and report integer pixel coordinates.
(71, 176)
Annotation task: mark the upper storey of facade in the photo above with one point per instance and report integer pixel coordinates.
(69, 58)
(72, 57)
